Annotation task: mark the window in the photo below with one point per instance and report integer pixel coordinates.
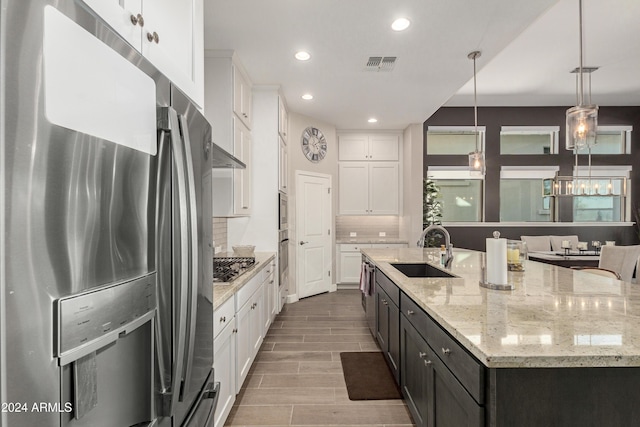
(453, 140)
(461, 194)
(529, 139)
(521, 194)
(606, 208)
(612, 140)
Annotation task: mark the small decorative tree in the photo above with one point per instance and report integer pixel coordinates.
(431, 207)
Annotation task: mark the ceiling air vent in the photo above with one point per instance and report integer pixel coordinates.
(380, 63)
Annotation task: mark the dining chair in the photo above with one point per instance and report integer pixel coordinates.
(599, 271)
(537, 243)
(621, 259)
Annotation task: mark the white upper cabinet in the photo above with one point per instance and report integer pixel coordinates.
(169, 33)
(369, 188)
(283, 119)
(368, 147)
(283, 167)
(242, 96)
(242, 178)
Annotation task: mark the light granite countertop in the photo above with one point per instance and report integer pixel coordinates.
(369, 240)
(223, 291)
(555, 316)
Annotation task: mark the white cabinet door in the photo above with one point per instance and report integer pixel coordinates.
(267, 302)
(383, 147)
(122, 16)
(242, 177)
(283, 119)
(244, 344)
(241, 96)
(353, 147)
(224, 364)
(383, 188)
(172, 40)
(354, 188)
(169, 33)
(256, 322)
(283, 167)
(377, 147)
(369, 188)
(349, 262)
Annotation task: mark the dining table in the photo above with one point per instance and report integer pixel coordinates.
(567, 259)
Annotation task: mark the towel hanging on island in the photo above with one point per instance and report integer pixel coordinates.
(366, 278)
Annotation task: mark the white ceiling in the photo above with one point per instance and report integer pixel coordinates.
(528, 48)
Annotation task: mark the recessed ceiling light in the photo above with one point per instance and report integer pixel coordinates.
(400, 24)
(302, 56)
(307, 96)
(373, 120)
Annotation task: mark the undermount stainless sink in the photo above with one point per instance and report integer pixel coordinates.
(420, 270)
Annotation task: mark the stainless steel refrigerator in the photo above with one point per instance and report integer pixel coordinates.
(106, 250)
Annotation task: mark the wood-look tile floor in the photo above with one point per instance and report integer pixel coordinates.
(296, 379)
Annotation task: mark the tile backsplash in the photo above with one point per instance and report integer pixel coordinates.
(367, 226)
(220, 233)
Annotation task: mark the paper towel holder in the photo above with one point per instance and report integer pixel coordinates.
(484, 283)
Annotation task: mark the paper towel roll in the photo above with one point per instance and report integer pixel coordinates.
(497, 261)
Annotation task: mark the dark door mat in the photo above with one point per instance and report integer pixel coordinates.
(368, 377)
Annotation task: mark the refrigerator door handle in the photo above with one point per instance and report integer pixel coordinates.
(193, 256)
(172, 393)
(158, 324)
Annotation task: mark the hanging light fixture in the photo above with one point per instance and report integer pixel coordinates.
(476, 158)
(582, 120)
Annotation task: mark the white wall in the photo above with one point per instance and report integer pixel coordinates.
(297, 161)
(412, 170)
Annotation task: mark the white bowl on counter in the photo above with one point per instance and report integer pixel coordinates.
(244, 251)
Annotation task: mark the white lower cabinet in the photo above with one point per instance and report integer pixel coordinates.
(270, 289)
(240, 325)
(249, 337)
(224, 357)
(350, 259)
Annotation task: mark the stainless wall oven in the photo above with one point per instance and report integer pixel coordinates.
(283, 259)
(283, 216)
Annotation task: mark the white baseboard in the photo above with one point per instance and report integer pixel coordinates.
(348, 286)
(292, 298)
(333, 287)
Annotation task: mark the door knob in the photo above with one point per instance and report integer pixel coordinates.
(303, 243)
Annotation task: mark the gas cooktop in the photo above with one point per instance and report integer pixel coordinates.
(226, 269)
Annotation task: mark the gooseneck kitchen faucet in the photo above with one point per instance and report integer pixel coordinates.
(447, 241)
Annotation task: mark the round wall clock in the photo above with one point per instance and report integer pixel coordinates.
(314, 145)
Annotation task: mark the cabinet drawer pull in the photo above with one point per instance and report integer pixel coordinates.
(421, 354)
(427, 362)
(446, 351)
(223, 319)
(153, 37)
(410, 312)
(137, 20)
(235, 330)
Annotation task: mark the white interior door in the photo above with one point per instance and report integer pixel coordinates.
(313, 234)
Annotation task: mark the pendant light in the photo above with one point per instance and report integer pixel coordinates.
(582, 120)
(476, 158)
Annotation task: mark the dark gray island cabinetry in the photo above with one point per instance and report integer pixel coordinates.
(562, 349)
(388, 322)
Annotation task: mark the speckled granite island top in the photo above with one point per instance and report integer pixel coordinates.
(223, 291)
(555, 317)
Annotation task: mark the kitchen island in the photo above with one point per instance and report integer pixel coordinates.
(562, 348)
